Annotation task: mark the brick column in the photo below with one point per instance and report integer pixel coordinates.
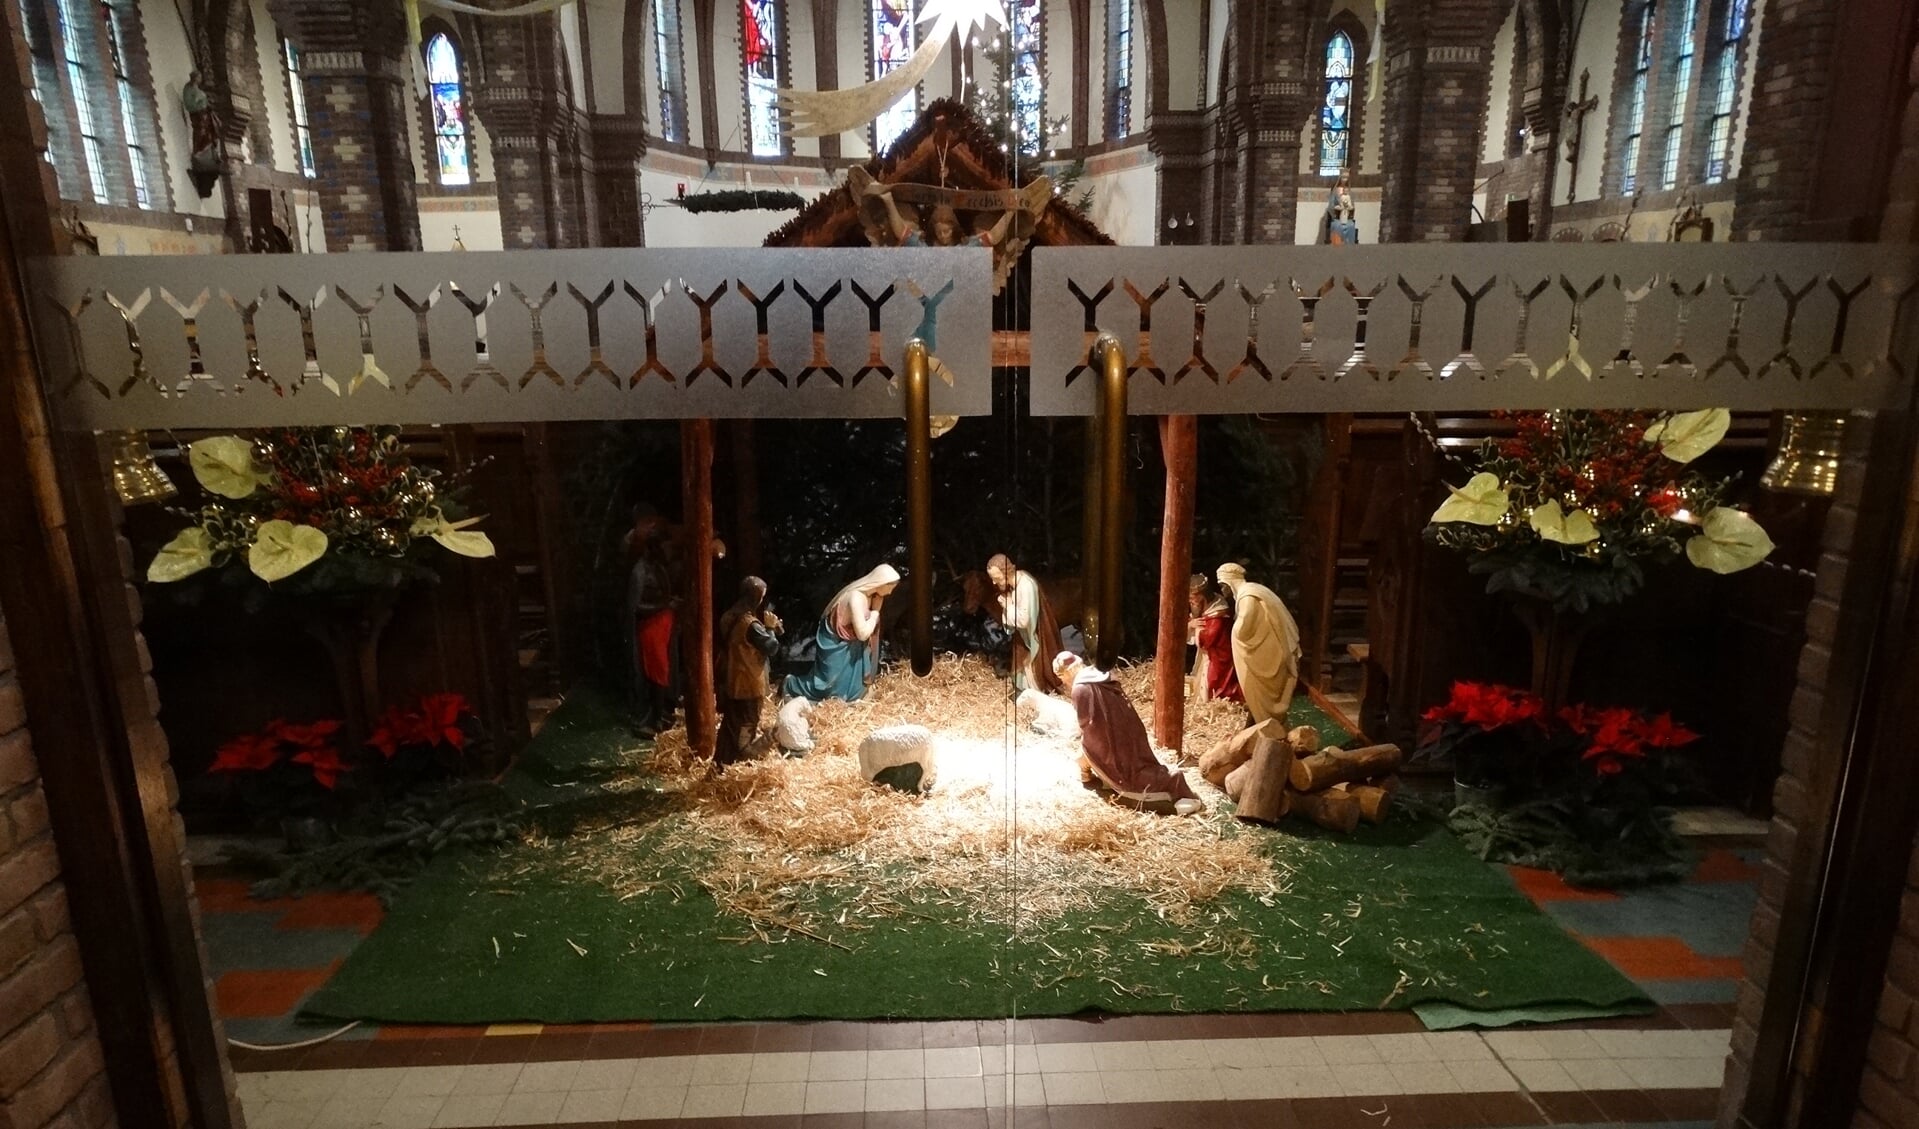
(618, 145)
(353, 59)
(1438, 71)
(1258, 168)
(529, 116)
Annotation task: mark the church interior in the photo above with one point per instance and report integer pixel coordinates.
(959, 564)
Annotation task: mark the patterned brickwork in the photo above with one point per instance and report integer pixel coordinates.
(1792, 78)
(51, 1071)
(1438, 74)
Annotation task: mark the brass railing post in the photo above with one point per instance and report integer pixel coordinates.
(1105, 533)
(919, 503)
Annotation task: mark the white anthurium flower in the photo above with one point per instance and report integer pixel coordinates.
(454, 535)
(1567, 527)
(224, 465)
(1729, 540)
(281, 548)
(1482, 501)
(190, 551)
(1688, 435)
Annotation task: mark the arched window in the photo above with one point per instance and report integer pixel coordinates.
(1335, 110)
(892, 43)
(1636, 104)
(447, 93)
(128, 98)
(1028, 90)
(1119, 68)
(297, 99)
(1726, 91)
(1681, 90)
(760, 46)
(670, 67)
(81, 80)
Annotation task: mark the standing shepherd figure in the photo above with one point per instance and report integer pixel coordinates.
(1213, 672)
(748, 638)
(650, 621)
(1024, 610)
(848, 640)
(1265, 645)
(1115, 749)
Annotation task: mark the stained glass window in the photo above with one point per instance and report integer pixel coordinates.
(296, 89)
(1636, 108)
(46, 90)
(1681, 90)
(1027, 89)
(1119, 68)
(669, 64)
(759, 42)
(892, 44)
(1335, 112)
(80, 80)
(128, 99)
(448, 96)
(1726, 92)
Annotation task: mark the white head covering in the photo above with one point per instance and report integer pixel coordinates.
(1230, 573)
(873, 581)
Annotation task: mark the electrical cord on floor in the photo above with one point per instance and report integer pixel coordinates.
(292, 1046)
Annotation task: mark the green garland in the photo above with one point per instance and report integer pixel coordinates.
(741, 200)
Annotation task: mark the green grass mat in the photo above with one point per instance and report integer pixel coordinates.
(1390, 917)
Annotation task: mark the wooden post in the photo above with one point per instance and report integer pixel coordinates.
(696, 631)
(746, 496)
(1179, 448)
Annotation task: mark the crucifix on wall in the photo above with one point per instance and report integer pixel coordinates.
(1576, 137)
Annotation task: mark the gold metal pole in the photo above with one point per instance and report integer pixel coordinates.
(919, 503)
(1111, 428)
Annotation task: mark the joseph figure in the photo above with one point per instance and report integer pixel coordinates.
(1025, 612)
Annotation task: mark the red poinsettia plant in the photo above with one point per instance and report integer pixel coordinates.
(1499, 734)
(286, 767)
(1613, 739)
(1483, 726)
(434, 732)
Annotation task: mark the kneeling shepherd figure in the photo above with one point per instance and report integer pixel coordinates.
(1115, 747)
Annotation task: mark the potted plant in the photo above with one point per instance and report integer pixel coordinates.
(434, 736)
(1614, 771)
(1568, 513)
(1489, 732)
(288, 773)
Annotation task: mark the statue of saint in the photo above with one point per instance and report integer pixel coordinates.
(203, 123)
(1024, 611)
(1265, 645)
(848, 640)
(1340, 224)
(748, 637)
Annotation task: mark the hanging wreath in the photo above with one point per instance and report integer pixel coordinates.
(742, 200)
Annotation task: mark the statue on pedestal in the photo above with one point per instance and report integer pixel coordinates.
(203, 126)
(1340, 224)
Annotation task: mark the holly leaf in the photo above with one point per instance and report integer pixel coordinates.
(1688, 435)
(224, 465)
(1574, 527)
(1728, 540)
(1482, 501)
(190, 551)
(281, 548)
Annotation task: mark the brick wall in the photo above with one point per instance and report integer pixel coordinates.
(51, 1073)
(1438, 75)
(1791, 79)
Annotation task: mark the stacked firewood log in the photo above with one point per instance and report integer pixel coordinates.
(1272, 773)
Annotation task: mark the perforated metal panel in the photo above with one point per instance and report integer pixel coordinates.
(250, 340)
(1465, 326)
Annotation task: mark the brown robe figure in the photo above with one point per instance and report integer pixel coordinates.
(1115, 748)
(747, 638)
(1025, 611)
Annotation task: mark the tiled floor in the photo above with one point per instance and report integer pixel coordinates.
(1327, 1071)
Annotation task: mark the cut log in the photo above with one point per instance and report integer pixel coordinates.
(1305, 740)
(1236, 750)
(1373, 798)
(1338, 766)
(1236, 781)
(1335, 811)
(1262, 799)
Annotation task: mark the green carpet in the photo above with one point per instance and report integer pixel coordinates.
(1390, 917)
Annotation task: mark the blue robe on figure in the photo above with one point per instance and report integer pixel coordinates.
(845, 662)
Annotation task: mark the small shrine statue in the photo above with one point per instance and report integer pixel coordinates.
(1340, 224)
(1212, 633)
(925, 215)
(650, 619)
(748, 637)
(848, 640)
(1115, 752)
(204, 126)
(1026, 614)
(1265, 645)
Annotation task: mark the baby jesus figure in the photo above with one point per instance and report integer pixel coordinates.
(1116, 752)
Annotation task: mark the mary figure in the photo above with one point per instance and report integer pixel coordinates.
(1341, 224)
(848, 640)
